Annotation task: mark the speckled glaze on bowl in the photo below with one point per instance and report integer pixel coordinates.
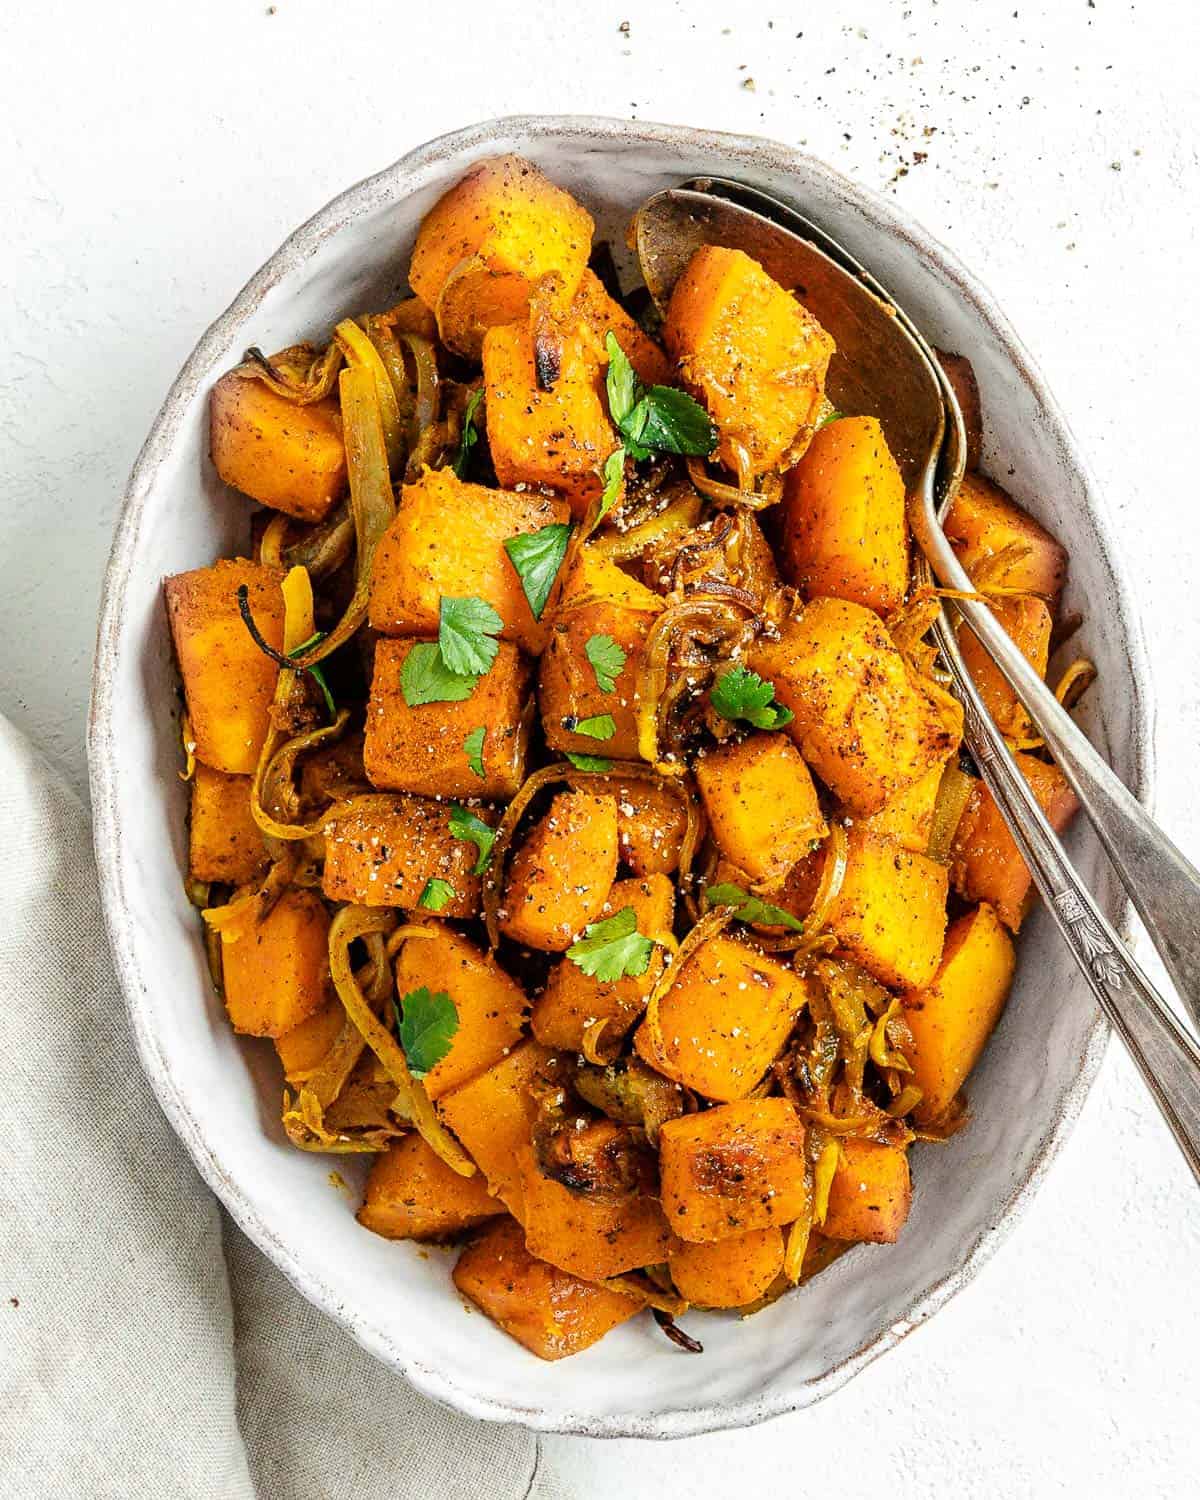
(222, 1095)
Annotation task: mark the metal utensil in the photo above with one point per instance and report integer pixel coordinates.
(886, 369)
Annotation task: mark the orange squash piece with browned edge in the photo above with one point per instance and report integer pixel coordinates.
(447, 539)
(842, 528)
(302, 1048)
(752, 355)
(864, 721)
(595, 312)
(908, 817)
(383, 849)
(732, 1272)
(984, 522)
(492, 1115)
(724, 1020)
(985, 863)
(411, 1194)
(491, 1005)
(549, 1311)
(282, 454)
(871, 1192)
(733, 1168)
(224, 842)
(1027, 620)
(573, 1002)
(560, 877)
(761, 803)
(952, 1017)
(276, 971)
(422, 747)
(651, 826)
(228, 681)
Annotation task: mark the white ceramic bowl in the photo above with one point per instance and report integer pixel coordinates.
(222, 1095)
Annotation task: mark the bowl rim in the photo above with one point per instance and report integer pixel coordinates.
(395, 181)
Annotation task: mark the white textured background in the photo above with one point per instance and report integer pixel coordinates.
(154, 153)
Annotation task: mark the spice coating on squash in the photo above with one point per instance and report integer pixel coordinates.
(282, 454)
(411, 1194)
(560, 877)
(732, 1272)
(752, 354)
(224, 842)
(985, 523)
(383, 850)
(871, 1193)
(276, 971)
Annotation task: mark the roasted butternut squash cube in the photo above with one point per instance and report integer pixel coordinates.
(448, 540)
(951, 1019)
(890, 914)
(589, 1237)
(552, 1313)
(752, 354)
(492, 1116)
(908, 817)
(651, 826)
(558, 439)
(227, 681)
(491, 1005)
(422, 748)
(842, 517)
(560, 877)
(599, 315)
(598, 600)
(303, 1048)
(224, 842)
(985, 863)
(733, 1168)
(871, 1193)
(412, 1194)
(761, 803)
(864, 720)
(277, 971)
(573, 1002)
(383, 850)
(984, 521)
(493, 235)
(289, 457)
(1028, 621)
(724, 1020)
(728, 1273)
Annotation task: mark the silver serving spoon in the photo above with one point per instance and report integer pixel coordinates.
(884, 368)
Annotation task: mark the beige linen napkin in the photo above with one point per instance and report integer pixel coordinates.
(137, 1359)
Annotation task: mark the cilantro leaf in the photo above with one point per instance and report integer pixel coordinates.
(473, 745)
(469, 435)
(612, 949)
(614, 477)
(598, 727)
(465, 825)
(607, 660)
(437, 894)
(832, 415)
(537, 557)
(425, 677)
(659, 420)
(425, 1023)
(466, 631)
(622, 383)
(674, 423)
(742, 694)
(748, 908)
(588, 762)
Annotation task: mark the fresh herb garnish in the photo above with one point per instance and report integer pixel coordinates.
(537, 557)
(437, 894)
(742, 694)
(465, 825)
(469, 435)
(467, 630)
(256, 635)
(658, 419)
(748, 908)
(473, 745)
(588, 762)
(614, 476)
(606, 658)
(425, 677)
(598, 727)
(425, 1023)
(612, 949)
(830, 416)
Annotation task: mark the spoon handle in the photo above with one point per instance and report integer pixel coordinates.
(1165, 1054)
(1163, 886)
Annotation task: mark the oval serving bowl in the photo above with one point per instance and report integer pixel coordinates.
(222, 1095)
